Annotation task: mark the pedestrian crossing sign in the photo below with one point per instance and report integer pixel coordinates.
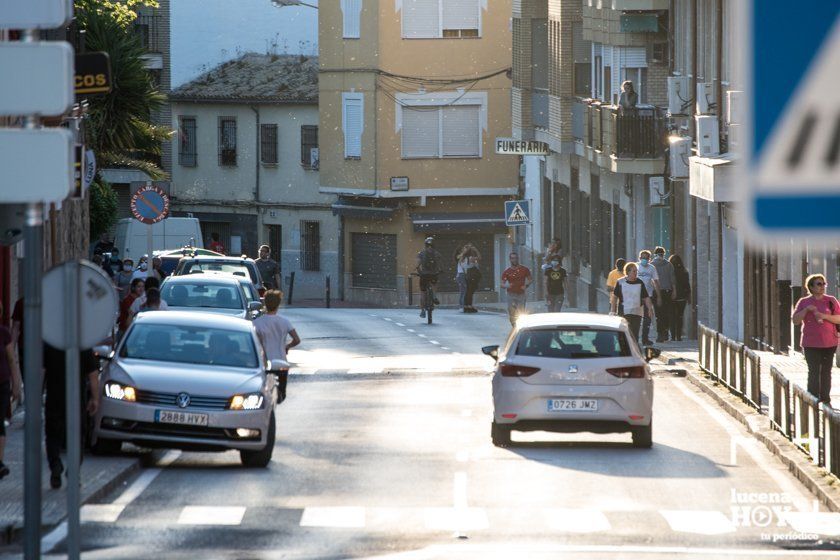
(517, 212)
(792, 120)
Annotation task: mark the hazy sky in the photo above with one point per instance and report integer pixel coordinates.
(206, 33)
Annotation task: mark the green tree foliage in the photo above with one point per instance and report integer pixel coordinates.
(123, 12)
(103, 207)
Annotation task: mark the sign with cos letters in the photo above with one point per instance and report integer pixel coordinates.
(150, 204)
(93, 73)
(512, 146)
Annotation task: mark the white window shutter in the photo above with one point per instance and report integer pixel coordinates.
(634, 57)
(352, 10)
(460, 14)
(420, 19)
(461, 131)
(420, 132)
(353, 112)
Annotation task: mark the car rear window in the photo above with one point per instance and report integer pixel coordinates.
(572, 343)
(192, 345)
(235, 269)
(201, 294)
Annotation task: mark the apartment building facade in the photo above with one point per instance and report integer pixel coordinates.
(246, 164)
(413, 94)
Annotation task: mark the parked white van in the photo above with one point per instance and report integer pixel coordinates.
(171, 233)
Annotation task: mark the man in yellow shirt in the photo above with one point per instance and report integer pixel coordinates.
(615, 274)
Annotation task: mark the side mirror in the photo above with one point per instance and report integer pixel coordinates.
(255, 306)
(492, 351)
(275, 366)
(651, 353)
(103, 352)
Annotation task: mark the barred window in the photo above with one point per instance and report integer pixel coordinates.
(310, 245)
(187, 149)
(268, 144)
(227, 140)
(309, 142)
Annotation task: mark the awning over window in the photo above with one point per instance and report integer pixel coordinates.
(352, 207)
(466, 222)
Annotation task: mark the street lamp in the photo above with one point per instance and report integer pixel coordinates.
(284, 3)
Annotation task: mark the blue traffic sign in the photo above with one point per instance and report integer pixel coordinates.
(150, 204)
(517, 212)
(792, 141)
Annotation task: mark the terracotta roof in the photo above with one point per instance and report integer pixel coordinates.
(257, 78)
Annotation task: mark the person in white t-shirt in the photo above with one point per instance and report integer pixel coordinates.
(631, 293)
(152, 283)
(274, 332)
(142, 270)
(648, 275)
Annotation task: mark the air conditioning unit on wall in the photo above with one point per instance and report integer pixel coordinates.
(708, 139)
(705, 98)
(680, 150)
(735, 107)
(679, 95)
(656, 186)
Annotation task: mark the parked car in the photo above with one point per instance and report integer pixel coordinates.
(214, 293)
(188, 380)
(170, 258)
(239, 266)
(572, 372)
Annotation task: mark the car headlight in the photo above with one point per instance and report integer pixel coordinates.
(120, 392)
(251, 401)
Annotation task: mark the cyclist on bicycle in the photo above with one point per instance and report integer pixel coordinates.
(428, 268)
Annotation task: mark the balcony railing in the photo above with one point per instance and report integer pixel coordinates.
(630, 135)
(539, 108)
(149, 29)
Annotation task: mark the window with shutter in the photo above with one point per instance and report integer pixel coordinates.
(227, 141)
(352, 120)
(351, 10)
(460, 18)
(420, 132)
(268, 144)
(187, 152)
(461, 131)
(420, 19)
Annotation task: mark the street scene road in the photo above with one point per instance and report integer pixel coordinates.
(383, 451)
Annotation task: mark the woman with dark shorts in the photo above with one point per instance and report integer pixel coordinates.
(9, 386)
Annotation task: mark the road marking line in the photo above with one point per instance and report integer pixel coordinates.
(411, 330)
(387, 318)
(699, 522)
(51, 539)
(399, 324)
(821, 523)
(211, 515)
(435, 342)
(444, 348)
(337, 517)
(422, 336)
(100, 513)
(577, 520)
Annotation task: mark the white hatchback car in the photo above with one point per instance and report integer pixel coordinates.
(572, 372)
(189, 380)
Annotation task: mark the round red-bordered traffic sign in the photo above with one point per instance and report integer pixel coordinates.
(150, 204)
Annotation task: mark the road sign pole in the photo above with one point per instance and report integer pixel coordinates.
(73, 406)
(149, 246)
(536, 276)
(33, 363)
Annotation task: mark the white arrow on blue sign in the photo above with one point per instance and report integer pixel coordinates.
(517, 212)
(792, 145)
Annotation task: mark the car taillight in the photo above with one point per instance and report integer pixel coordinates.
(508, 370)
(632, 372)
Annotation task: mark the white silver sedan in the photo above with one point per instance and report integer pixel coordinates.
(572, 372)
(189, 380)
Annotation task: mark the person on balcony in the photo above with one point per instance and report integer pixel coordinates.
(629, 99)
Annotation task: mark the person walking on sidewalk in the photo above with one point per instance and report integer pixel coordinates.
(647, 274)
(662, 306)
(274, 331)
(612, 279)
(10, 383)
(515, 280)
(461, 262)
(555, 283)
(468, 263)
(631, 293)
(818, 314)
(269, 269)
(681, 296)
(55, 416)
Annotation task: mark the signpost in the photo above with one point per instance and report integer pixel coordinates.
(150, 205)
(93, 73)
(792, 144)
(45, 66)
(517, 212)
(512, 146)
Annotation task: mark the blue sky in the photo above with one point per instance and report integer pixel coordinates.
(206, 33)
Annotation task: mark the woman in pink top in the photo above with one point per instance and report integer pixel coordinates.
(818, 314)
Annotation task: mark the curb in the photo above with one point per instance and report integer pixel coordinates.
(12, 533)
(819, 481)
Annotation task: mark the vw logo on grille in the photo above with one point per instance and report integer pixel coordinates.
(573, 369)
(182, 400)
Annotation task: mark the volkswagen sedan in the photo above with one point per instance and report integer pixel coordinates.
(188, 380)
(572, 372)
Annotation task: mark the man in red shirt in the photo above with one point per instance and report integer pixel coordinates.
(516, 279)
(216, 245)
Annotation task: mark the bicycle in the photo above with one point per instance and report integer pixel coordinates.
(430, 299)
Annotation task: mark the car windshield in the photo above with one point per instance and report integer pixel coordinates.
(201, 294)
(236, 269)
(572, 343)
(192, 345)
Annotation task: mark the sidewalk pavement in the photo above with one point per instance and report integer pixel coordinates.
(99, 476)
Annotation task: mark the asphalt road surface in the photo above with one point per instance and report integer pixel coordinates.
(383, 451)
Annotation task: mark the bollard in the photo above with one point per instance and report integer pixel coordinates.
(328, 291)
(291, 288)
(410, 291)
